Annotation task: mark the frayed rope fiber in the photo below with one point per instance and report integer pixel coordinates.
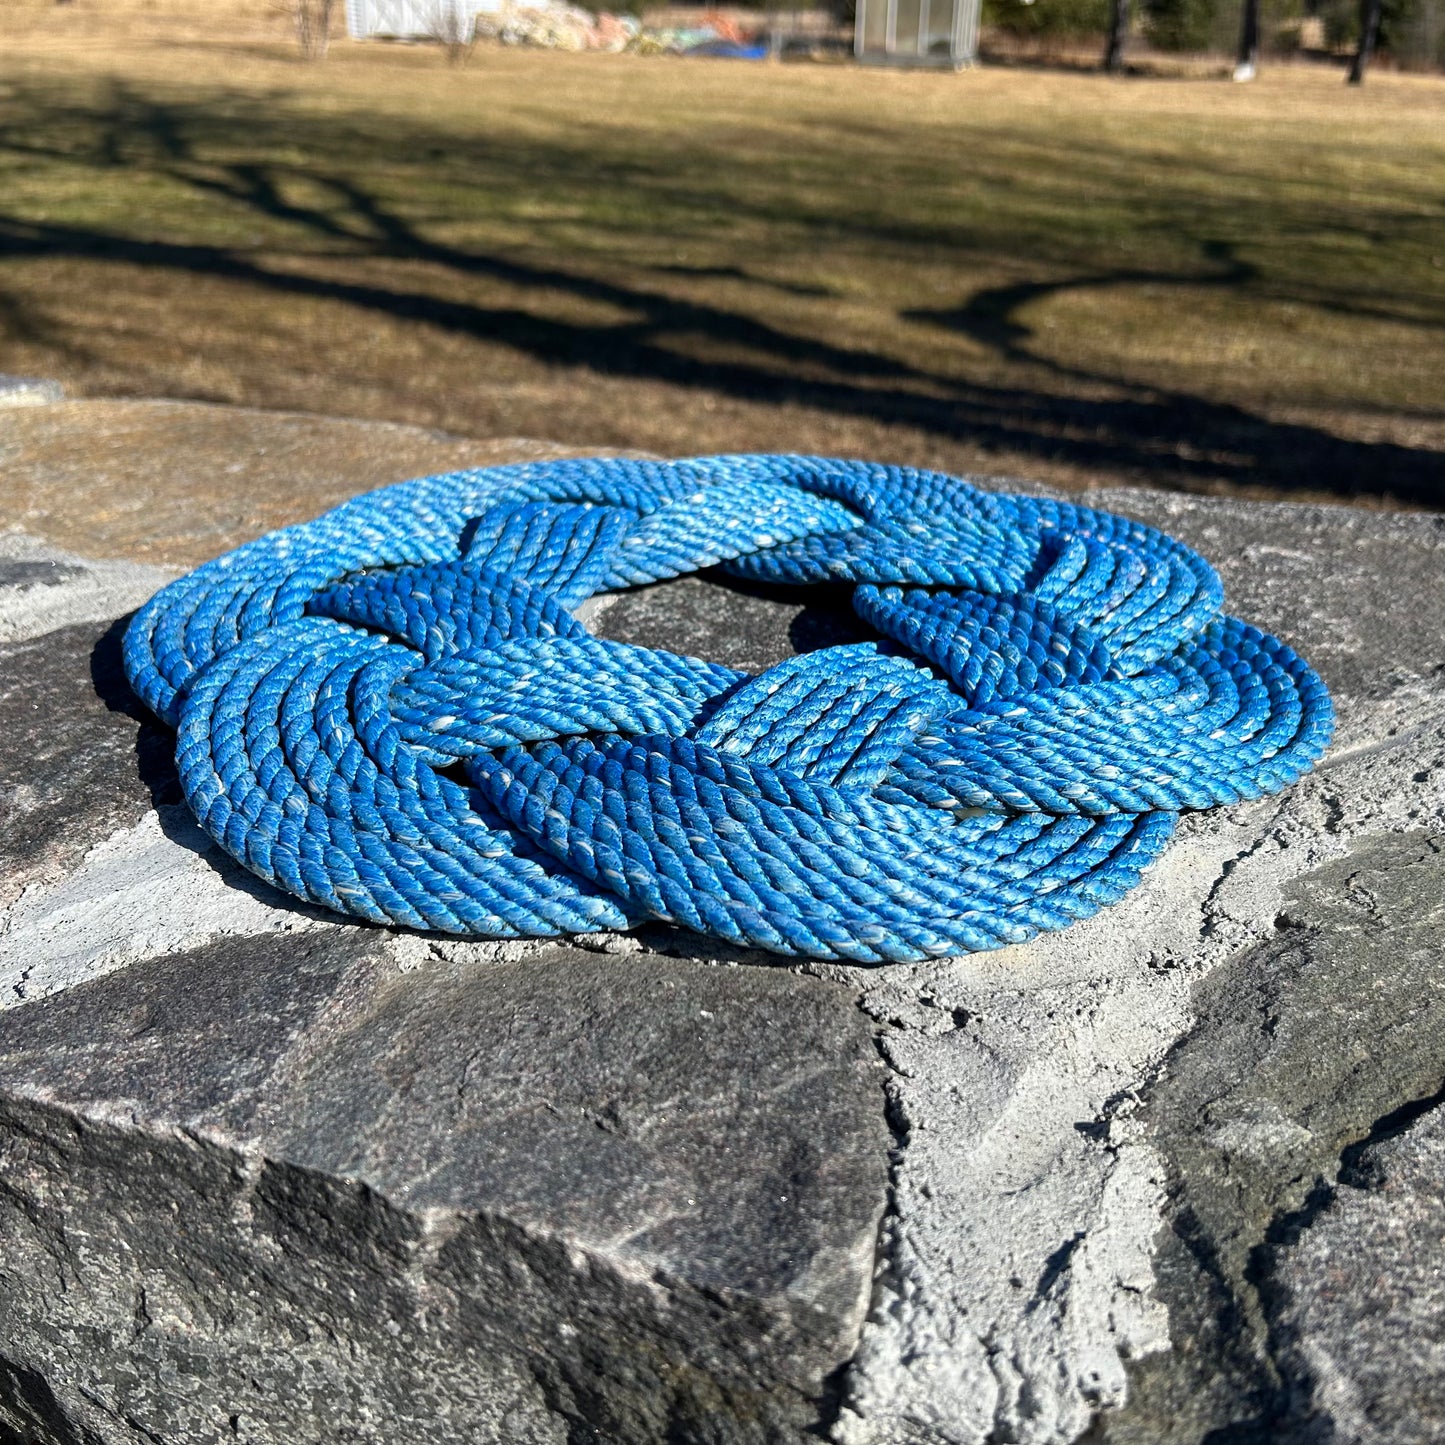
(393, 712)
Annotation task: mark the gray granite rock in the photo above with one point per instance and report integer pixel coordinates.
(79, 756)
(284, 1190)
(42, 587)
(1358, 1301)
(1027, 1293)
(1199, 1056)
(348, 1180)
(1301, 1044)
(742, 624)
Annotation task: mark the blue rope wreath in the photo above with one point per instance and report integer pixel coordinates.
(1053, 685)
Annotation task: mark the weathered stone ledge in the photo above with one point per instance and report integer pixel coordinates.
(266, 1176)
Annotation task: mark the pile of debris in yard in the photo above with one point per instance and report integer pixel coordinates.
(557, 25)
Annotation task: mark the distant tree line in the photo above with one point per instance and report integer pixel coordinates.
(1412, 31)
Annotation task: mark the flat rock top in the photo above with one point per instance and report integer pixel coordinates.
(649, 1182)
(174, 483)
(536, 1193)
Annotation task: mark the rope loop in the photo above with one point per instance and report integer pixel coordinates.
(393, 711)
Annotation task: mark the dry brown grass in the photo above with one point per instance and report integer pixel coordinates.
(1176, 280)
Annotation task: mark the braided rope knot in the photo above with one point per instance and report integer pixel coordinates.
(393, 711)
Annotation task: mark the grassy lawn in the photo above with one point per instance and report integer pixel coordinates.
(1171, 280)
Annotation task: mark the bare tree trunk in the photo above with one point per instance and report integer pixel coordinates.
(313, 26)
(454, 28)
(1369, 34)
(1118, 36)
(1247, 64)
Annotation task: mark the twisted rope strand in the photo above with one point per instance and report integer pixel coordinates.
(392, 711)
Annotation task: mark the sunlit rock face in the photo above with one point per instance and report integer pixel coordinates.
(269, 1176)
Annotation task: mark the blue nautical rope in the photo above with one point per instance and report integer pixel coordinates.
(394, 712)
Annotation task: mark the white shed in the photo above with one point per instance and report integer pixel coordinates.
(917, 32)
(412, 19)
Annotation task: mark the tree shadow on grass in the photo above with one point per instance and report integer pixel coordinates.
(1177, 431)
(1162, 436)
